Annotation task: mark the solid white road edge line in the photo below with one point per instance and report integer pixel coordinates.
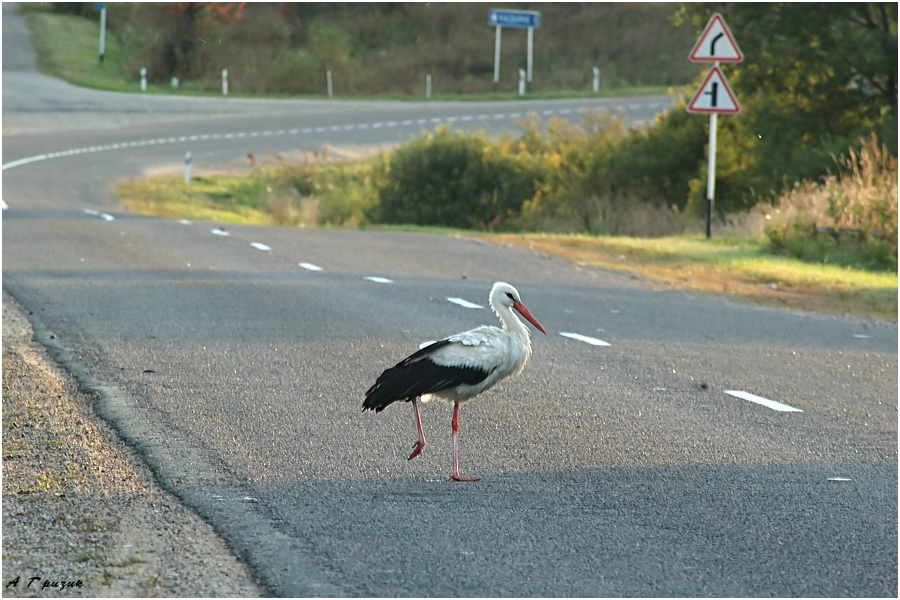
(764, 401)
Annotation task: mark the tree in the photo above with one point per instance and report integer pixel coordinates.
(814, 80)
(188, 24)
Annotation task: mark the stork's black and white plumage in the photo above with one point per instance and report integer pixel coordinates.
(458, 368)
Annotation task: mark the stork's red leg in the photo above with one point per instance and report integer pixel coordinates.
(420, 443)
(454, 432)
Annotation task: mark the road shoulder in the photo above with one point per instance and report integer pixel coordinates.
(80, 508)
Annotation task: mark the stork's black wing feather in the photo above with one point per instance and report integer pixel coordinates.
(417, 375)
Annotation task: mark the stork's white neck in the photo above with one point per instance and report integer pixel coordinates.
(511, 322)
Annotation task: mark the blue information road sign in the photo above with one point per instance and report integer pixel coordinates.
(522, 19)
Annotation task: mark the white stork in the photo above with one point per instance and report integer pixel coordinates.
(458, 368)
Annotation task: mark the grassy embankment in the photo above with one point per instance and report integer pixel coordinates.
(67, 47)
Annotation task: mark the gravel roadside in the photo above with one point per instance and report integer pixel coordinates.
(82, 514)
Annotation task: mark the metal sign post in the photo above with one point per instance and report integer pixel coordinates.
(102, 7)
(716, 44)
(521, 19)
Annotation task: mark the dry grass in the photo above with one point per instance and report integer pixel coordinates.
(734, 265)
(862, 196)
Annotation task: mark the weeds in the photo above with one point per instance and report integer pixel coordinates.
(848, 219)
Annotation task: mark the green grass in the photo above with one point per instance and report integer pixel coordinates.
(222, 199)
(67, 46)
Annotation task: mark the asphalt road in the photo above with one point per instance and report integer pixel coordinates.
(615, 470)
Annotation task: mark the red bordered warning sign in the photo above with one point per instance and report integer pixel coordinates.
(714, 95)
(716, 43)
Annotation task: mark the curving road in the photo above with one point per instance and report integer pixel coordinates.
(606, 470)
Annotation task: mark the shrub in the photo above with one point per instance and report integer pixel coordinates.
(450, 179)
(849, 218)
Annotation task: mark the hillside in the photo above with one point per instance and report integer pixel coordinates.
(388, 48)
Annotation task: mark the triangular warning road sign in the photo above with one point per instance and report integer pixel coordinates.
(716, 43)
(714, 95)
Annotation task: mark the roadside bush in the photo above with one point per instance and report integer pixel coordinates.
(450, 179)
(849, 218)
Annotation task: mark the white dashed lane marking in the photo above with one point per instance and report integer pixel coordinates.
(464, 303)
(309, 266)
(104, 216)
(378, 279)
(221, 232)
(281, 132)
(763, 401)
(260, 246)
(584, 338)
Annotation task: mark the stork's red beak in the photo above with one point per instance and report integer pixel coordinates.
(522, 310)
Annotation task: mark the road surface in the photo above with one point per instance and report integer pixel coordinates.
(606, 470)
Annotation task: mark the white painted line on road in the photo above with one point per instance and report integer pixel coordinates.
(763, 401)
(378, 279)
(279, 132)
(218, 231)
(4, 204)
(104, 216)
(262, 247)
(309, 266)
(862, 337)
(184, 222)
(839, 479)
(464, 303)
(24, 161)
(583, 338)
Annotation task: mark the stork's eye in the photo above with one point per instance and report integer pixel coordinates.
(510, 296)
